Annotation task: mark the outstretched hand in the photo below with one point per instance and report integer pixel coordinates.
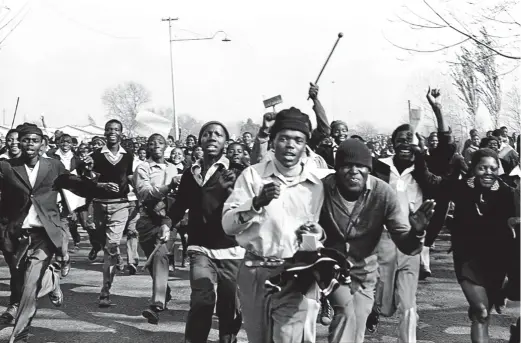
(268, 120)
(313, 91)
(421, 218)
(432, 97)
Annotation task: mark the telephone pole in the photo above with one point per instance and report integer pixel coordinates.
(176, 129)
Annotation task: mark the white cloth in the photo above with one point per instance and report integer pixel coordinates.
(113, 158)
(32, 219)
(65, 158)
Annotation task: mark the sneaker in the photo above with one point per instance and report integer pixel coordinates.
(132, 269)
(424, 274)
(326, 312)
(151, 315)
(10, 313)
(65, 267)
(93, 254)
(56, 295)
(104, 302)
(372, 321)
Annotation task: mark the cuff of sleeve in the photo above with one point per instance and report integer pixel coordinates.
(263, 135)
(422, 236)
(247, 212)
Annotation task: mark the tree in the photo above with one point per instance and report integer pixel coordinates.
(366, 129)
(249, 126)
(489, 87)
(466, 82)
(91, 121)
(513, 110)
(124, 101)
(188, 125)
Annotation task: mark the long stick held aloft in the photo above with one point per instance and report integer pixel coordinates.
(340, 35)
(15, 110)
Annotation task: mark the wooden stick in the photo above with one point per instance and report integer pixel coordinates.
(340, 35)
(15, 110)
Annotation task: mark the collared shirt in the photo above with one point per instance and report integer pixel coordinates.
(270, 232)
(131, 194)
(113, 158)
(409, 192)
(516, 171)
(32, 219)
(312, 159)
(65, 158)
(218, 254)
(152, 179)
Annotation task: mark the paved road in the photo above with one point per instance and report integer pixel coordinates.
(442, 309)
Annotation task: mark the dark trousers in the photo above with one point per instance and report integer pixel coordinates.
(86, 219)
(17, 278)
(40, 280)
(437, 221)
(205, 273)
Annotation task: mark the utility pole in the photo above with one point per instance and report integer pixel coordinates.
(176, 129)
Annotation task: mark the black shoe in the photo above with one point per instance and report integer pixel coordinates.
(65, 267)
(326, 312)
(56, 295)
(151, 315)
(10, 313)
(424, 274)
(132, 269)
(104, 302)
(93, 254)
(372, 321)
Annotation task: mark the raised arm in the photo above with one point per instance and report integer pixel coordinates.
(145, 190)
(260, 145)
(323, 129)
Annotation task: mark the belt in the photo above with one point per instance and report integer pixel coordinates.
(111, 201)
(252, 260)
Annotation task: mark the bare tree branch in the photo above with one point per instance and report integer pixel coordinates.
(426, 51)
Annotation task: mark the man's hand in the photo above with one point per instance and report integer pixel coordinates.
(89, 162)
(310, 228)
(421, 218)
(164, 235)
(109, 186)
(432, 97)
(421, 142)
(176, 180)
(268, 120)
(227, 179)
(269, 192)
(513, 222)
(313, 91)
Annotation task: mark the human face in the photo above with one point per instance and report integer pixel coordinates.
(198, 153)
(212, 140)
(235, 153)
(339, 133)
(352, 177)
(31, 145)
(476, 140)
(376, 146)
(156, 147)
(13, 145)
(177, 156)
(170, 142)
(98, 144)
(113, 133)
(486, 171)
(128, 145)
(504, 131)
(65, 144)
(142, 154)
(247, 157)
(433, 142)
(190, 142)
(492, 144)
(289, 146)
(247, 138)
(43, 148)
(402, 145)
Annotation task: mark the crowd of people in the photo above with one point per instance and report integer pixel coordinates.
(282, 228)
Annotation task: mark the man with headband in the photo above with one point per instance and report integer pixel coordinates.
(31, 226)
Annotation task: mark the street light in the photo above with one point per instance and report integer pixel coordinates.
(225, 39)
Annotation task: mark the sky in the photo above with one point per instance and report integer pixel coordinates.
(65, 54)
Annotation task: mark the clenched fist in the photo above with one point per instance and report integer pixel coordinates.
(269, 192)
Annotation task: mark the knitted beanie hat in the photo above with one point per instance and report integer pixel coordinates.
(290, 119)
(353, 151)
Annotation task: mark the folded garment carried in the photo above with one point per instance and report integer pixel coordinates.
(327, 267)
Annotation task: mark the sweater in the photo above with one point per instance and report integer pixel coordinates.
(117, 173)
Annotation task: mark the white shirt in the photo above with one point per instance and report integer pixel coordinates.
(113, 158)
(32, 219)
(65, 158)
(131, 194)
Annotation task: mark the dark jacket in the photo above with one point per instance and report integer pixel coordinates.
(205, 204)
(18, 195)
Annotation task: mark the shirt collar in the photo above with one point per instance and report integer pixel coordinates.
(222, 161)
(307, 174)
(516, 171)
(390, 162)
(105, 150)
(153, 163)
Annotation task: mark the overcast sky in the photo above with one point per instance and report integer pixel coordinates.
(66, 53)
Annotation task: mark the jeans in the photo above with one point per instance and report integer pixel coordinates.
(110, 218)
(205, 274)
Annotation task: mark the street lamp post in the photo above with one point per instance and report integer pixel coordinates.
(225, 39)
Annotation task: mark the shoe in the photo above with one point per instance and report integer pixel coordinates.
(104, 302)
(151, 315)
(120, 265)
(372, 321)
(514, 334)
(424, 274)
(326, 312)
(185, 261)
(132, 269)
(93, 254)
(56, 295)
(10, 313)
(65, 267)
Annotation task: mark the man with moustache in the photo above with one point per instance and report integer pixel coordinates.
(154, 180)
(270, 202)
(30, 226)
(214, 256)
(110, 204)
(356, 207)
